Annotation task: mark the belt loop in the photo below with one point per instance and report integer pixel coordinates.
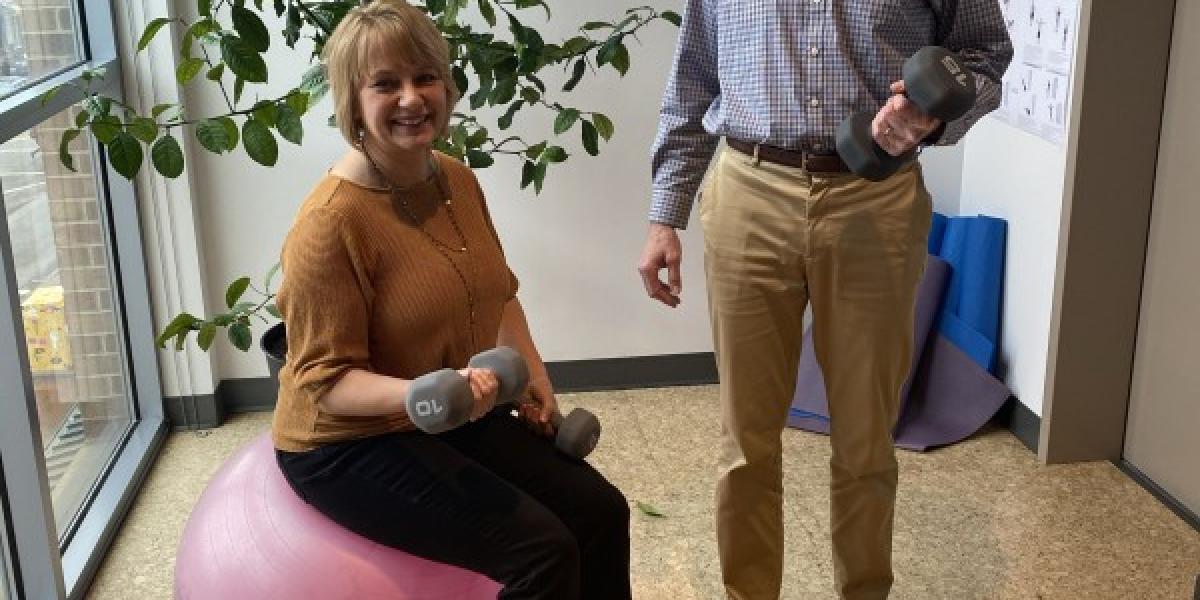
(756, 158)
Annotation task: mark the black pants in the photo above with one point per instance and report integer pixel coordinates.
(490, 496)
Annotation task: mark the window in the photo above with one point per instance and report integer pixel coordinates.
(81, 413)
(72, 330)
(37, 38)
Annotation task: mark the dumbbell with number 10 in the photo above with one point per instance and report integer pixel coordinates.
(442, 400)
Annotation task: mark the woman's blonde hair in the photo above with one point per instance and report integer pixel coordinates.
(391, 24)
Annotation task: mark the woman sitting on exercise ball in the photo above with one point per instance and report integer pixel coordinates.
(393, 270)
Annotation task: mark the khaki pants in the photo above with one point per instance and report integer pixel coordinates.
(777, 238)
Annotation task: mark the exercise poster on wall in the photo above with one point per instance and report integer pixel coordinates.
(1037, 84)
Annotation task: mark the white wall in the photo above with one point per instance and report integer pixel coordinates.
(1019, 177)
(943, 170)
(575, 247)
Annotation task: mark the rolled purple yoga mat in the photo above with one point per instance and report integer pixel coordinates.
(947, 395)
(810, 409)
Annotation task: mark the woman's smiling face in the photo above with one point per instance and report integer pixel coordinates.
(403, 106)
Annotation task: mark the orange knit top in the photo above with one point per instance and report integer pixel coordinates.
(366, 287)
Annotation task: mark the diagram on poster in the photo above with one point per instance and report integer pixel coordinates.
(1037, 84)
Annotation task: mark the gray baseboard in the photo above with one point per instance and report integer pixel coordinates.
(698, 368)
(1022, 422)
(258, 393)
(193, 412)
(1177, 507)
(249, 394)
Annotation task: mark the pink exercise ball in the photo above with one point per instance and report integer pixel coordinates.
(251, 537)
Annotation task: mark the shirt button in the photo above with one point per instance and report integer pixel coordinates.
(814, 103)
(814, 51)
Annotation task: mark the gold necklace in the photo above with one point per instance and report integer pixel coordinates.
(442, 248)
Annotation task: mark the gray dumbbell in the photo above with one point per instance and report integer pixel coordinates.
(576, 434)
(442, 400)
(937, 82)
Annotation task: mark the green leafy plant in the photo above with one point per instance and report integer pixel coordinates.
(496, 66)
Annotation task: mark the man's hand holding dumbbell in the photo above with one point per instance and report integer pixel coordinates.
(936, 88)
(900, 125)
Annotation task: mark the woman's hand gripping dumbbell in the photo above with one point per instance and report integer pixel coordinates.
(442, 400)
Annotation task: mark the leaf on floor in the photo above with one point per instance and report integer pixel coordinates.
(649, 510)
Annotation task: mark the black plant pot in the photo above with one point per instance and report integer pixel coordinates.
(274, 347)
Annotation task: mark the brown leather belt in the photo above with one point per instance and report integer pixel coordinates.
(815, 163)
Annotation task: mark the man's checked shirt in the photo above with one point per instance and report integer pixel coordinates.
(786, 72)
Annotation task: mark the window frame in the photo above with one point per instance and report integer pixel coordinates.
(39, 566)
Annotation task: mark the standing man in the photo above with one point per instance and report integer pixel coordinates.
(785, 224)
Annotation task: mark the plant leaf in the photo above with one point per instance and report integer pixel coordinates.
(603, 125)
(672, 17)
(270, 276)
(260, 142)
(489, 14)
(181, 323)
(250, 28)
(298, 102)
(243, 60)
(649, 510)
(620, 59)
(478, 159)
(235, 290)
(50, 94)
(231, 132)
(590, 143)
(273, 311)
(150, 31)
(576, 75)
(533, 152)
(527, 173)
(211, 134)
(240, 335)
(205, 338)
(125, 154)
(167, 157)
(106, 128)
(539, 176)
(460, 79)
(64, 150)
(287, 121)
(266, 112)
(505, 120)
(554, 154)
(566, 118)
(143, 129)
(188, 69)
